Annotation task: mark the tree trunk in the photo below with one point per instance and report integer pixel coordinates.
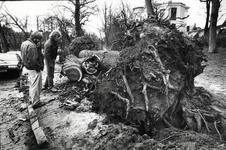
(78, 28)
(105, 25)
(150, 9)
(213, 27)
(207, 17)
(4, 41)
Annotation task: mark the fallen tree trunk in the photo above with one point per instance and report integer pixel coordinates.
(72, 68)
(75, 68)
(108, 59)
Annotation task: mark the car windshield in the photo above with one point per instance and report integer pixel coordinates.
(8, 57)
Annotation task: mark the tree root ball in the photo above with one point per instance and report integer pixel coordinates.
(152, 85)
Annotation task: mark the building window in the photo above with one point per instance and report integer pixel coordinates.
(173, 13)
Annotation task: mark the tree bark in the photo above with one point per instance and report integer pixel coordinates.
(207, 17)
(150, 9)
(213, 27)
(78, 28)
(4, 40)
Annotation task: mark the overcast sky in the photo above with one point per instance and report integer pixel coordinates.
(34, 8)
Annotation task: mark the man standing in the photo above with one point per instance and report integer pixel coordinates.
(33, 62)
(50, 54)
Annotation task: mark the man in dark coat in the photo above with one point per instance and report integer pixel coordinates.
(33, 62)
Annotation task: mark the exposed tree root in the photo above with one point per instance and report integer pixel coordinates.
(175, 135)
(128, 89)
(207, 128)
(168, 123)
(144, 91)
(154, 51)
(152, 86)
(198, 121)
(125, 100)
(108, 71)
(215, 125)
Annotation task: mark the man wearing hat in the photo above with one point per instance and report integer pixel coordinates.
(33, 62)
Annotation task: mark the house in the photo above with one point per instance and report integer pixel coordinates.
(176, 12)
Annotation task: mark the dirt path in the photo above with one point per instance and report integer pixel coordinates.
(213, 78)
(15, 130)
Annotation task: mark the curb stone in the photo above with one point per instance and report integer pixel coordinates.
(37, 130)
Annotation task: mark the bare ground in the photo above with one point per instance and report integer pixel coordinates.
(213, 78)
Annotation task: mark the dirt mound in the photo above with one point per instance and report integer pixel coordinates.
(119, 136)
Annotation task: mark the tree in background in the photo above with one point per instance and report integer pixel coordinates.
(22, 24)
(116, 22)
(206, 29)
(4, 44)
(213, 11)
(213, 26)
(150, 8)
(80, 11)
(106, 18)
(9, 38)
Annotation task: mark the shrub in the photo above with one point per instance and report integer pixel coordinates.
(82, 43)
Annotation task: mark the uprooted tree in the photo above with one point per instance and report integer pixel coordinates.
(150, 84)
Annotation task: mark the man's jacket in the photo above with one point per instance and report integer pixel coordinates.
(50, 50)
(32, 57)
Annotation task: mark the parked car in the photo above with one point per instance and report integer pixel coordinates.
(11, 62)
(15, 52)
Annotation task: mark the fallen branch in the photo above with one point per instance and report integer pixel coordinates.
(125, 100)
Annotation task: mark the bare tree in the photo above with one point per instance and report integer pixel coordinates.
(80, 11)
(22, 24)
(106, 22)
(208, 2)
(38, 22)
(4, 40)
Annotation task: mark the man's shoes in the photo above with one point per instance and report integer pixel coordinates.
(38, 104)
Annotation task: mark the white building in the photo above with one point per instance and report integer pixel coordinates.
(176, 12)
